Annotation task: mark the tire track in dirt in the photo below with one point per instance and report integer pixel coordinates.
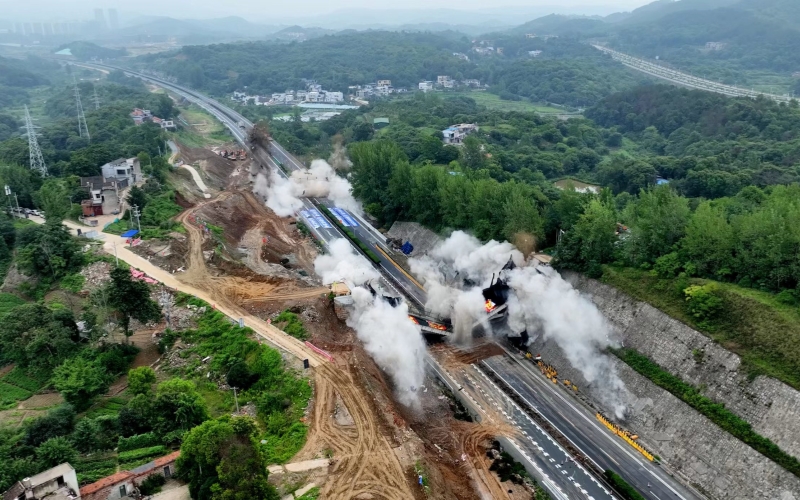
(364, 461)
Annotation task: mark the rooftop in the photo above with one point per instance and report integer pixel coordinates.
(106, 481)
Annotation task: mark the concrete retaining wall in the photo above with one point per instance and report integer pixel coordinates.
(712, 459)
(770, 406)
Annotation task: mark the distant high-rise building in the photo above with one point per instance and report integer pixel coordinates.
(99, 18)
(18, 29)
(37, 29)
(28, 30)
(113, 19)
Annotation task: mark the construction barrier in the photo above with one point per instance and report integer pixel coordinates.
(319, 351)
(626, 435)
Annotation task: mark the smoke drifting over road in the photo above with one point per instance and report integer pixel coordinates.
(318, 181)
(394, 342)
(540, 302)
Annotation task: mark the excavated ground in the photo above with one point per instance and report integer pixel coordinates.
(262, 264)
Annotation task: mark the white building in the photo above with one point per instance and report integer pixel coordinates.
(125, 172)
(472, 83)
(334, 96)
(455, 134)
(384, 83)
(58, 483)
(426, 86)
(534, 53)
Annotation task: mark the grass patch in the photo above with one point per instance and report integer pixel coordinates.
(716, 412)
(9, 301)
(493, 102)
(17, 377)
(150, 451)
(291, 325)
(110, 406)
(10, 394)
(621, 486)
(312, 494)
(752, 323)
(203, 130)
(279, 393)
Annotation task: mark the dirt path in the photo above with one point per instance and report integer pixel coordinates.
(364, 462)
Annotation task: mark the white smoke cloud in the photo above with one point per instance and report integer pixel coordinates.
(318, 181)
(280, 195)
(342, 263)
(540, 302)
(544, 302)
(394, 342)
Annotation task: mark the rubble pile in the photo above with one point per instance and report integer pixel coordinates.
(96, 275)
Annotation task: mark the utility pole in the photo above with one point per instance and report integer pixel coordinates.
(235, 398)
(83, 129)
(36, 158)
(136, 213)
(17, 201)
(116, 259)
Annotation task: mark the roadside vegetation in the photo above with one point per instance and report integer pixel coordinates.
(716, 412)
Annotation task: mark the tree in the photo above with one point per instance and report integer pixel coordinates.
(657, 222)
(141, 380)
(85, 435)
(137, 416)
(222, 461)
(33, 335)
(131, 299)
(57, 422)
(177, 407)
(373, 164)
(49, 251)
(136, 197)
(54, 198)
(80, 380)
(709, 243)
(472, 154)
(590, 242)
(55, 451)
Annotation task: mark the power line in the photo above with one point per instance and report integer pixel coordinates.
(96, 98)
(83, 129)
(37, 160)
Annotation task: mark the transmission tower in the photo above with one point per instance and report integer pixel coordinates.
(37, 160)
(96, 98)
(83, 129)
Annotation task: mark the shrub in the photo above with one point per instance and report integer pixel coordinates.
(621, 486)
(151, 451)
(146, 440)
(704, 302)
(152, 484)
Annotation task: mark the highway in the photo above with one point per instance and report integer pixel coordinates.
(545, 458)
(685, 79)
(579, 425)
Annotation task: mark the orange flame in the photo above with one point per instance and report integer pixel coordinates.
(490, 306)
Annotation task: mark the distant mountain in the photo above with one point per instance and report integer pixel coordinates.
(196, 30)
(299, 33)
(556, 24)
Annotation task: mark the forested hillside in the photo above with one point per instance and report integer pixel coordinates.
(335, 61)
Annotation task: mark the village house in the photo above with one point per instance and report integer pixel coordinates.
(455, 134)
(124, 484)
(58, 483)
(126, 172)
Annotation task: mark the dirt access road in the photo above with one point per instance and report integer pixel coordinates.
(365, 463)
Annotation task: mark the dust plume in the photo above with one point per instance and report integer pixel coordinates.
(539, 302)
(284, 195)
(394, 342)
(338, 158)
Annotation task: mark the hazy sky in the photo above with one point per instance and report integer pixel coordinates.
(264, 10)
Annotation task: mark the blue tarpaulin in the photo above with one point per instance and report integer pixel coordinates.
(130, 233)
(407, 248)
